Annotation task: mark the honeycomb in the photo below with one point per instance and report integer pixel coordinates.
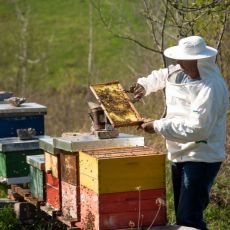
(116, 104)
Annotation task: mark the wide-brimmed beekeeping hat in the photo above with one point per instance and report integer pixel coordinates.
(190, 48)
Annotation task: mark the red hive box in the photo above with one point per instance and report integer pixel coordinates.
(122, 188)
(53, 191)
(122, 210)
(53, 182)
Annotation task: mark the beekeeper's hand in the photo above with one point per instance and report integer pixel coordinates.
(148, 126)
(138, 90)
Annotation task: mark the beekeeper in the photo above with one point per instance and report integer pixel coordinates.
(194, 126)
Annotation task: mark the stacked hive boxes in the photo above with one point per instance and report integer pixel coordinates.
(52, 173)
(70, 184)
(13, 166)
(37, 183)
(69, 151)
(13, 152)
(122, 188)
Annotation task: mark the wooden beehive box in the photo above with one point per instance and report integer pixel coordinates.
(28, 115)
(122, 169)
(52, 172)
(13, 166)
(53, 192)
(69, 147)
(70, 167)
(116, 104)
(37, 183)
(70, 201)
(123, 210)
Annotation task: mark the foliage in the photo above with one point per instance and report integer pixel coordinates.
(3, 190)
(57, 45)
(217, 212)
(7, 219)
(56, 60)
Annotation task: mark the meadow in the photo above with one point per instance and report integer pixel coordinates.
(51, 51)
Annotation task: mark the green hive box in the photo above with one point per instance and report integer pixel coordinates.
(13, 166)
(37, 167)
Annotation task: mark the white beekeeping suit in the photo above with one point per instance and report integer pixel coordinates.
(195, 124)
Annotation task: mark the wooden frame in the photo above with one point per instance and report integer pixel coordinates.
(126, 109)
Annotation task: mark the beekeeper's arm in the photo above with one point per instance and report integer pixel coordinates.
(152, 83)
(197, 125)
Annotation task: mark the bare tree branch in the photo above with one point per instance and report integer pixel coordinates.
(219, 42)
(90, 53)
(151, 22)
(126, 37)
(222, 31)
(163, 31)
(187, 9)
(23, 18)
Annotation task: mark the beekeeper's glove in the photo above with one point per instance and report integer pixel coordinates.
(138, 90)
(148, 126)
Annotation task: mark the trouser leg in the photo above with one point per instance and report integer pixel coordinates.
(196, 181)
(176, 182)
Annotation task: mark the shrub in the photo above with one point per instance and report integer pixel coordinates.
(8, 220)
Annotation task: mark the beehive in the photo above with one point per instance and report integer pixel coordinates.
(69, 147)
(37, 183)
(13, 152)
(120, 188)
(126, 168)
(28, 115)
(123, 210)
(52, 172)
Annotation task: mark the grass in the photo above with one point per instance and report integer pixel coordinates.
(60, 29)
(3, 190)
(217, 212)
(8, 219)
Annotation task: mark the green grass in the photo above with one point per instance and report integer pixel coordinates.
(60, 30)
(217, 214)
(3, 190)
(8, 220)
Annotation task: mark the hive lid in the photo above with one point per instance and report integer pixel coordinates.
(26, 108)
(47, 144)
(86, 141)
(11, 144)
(37, 161)
(116, 104)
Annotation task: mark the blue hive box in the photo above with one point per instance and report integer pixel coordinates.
(28, 115)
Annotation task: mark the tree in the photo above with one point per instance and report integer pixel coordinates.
(168, 20)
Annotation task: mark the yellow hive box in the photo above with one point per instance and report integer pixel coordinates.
(51, 164)
(122, 169)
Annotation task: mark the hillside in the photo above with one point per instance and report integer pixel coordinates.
(44, 50)
(57, 45)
